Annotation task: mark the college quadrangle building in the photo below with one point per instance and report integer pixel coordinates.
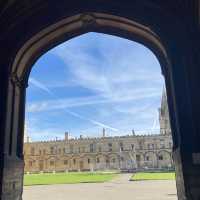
(130, 152)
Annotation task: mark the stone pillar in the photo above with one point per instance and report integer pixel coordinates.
(13, 162)
(184, 107)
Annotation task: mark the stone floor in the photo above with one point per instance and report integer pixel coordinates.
(117, 189)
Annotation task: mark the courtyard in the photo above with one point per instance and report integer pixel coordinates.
(116, 189)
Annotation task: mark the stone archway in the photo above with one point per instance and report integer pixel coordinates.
(125, 21)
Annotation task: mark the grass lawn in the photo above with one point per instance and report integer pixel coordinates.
(63, 178)
(153, 176)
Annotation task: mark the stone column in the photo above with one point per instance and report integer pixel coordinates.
(184, 107)
(13, 168)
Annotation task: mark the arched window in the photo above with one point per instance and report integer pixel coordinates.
(160, 157)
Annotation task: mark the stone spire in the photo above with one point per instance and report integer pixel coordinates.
(26, 136)
(164, 115)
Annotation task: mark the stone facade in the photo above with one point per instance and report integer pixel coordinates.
(131, 152)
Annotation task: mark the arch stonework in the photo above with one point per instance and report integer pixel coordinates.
(40, 26)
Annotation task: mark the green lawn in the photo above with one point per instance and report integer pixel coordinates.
(153, 176)
(63, 178)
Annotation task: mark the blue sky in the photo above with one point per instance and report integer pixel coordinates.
(90, 82)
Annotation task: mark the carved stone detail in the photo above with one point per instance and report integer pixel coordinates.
(16, 81)
(88, 19)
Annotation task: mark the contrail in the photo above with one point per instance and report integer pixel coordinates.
(92, 121)
(154, 124)
(43, 87)
(40, 85)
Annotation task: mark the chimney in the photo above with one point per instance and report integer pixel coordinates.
(133, 132)
(104, 132)
(66, 135)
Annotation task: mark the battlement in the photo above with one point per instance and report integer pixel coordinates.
(97, 139)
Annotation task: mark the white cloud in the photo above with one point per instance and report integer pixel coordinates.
(44, 105)
(57, 104)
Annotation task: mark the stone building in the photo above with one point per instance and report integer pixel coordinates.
(128, 152)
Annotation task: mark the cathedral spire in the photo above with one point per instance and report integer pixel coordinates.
(27, 139)
(164, 114)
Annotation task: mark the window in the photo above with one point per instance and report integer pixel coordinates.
(122, 159)
(44, 151)
(109, 146)
(79, 149)
(147, 158)
(88, 161)
(99, 149)
(63, 150)
(141, 145)
(32, 151)
(121, 146)
(83, 149)
(74, 161)
(132, 146)
(160, 157)
(113, 160)
(138, 157)
(98, 160)
(51, 150)
(65, 162)
(162, 144)
(71, 148)
(40, 152)
(51, 163)
(91, 147)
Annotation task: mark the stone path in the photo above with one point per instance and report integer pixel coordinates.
(118, 189)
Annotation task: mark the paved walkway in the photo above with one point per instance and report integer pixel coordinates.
(118, 189)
